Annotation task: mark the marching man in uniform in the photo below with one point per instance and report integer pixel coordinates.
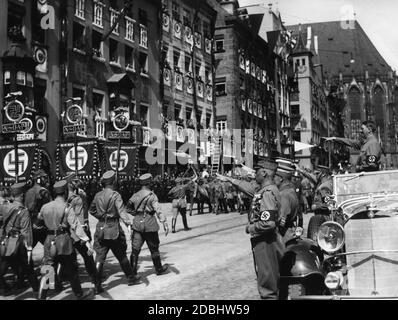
(62, 225)
(144, 206)
(35, 198)
(108, 208)
(16, 223)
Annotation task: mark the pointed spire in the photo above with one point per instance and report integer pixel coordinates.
(300, 46)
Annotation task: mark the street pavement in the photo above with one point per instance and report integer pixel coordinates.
(211, 261)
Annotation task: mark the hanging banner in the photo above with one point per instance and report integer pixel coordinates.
(127, 158)
(87, 159)
(28, 160)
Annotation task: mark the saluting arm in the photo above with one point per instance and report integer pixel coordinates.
(349, 142)
(308, 175)
(243, 186)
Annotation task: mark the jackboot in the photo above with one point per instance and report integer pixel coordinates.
(128, 271)
(98, 281)
(87, 294)
(160, 269)
(185, 223)
(173, 225)
(135, 279)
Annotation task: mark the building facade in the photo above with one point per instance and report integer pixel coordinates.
(187, 81)
(100, 55)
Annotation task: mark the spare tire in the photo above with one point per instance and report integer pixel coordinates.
(313, 226)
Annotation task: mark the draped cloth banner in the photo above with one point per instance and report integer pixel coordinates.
(87, 159)
(127, 160)
(28, 161)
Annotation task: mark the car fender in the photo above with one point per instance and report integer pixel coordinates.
(302, 258)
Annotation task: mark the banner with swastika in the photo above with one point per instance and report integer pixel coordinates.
(86, 158)
(127, 158)
(26, 155)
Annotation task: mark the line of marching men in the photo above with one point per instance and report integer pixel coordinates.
(61, 225)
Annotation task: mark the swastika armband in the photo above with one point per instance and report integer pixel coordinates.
(370, 159)
(268, 215)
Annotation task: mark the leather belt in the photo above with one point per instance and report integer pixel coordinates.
(56, 232)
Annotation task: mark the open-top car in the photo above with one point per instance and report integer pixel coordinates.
(359, 243)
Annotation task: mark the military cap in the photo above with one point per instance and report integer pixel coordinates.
(285, 169)
(18, 188)
(266, 164)
(39, 173)
(145, 178)
(60, 186)
(108, 176)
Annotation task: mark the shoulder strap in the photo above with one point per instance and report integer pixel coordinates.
(12, 215)
(142, 200)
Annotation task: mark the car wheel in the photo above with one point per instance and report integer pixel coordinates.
(313, 226)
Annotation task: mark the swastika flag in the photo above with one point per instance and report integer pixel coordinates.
(24, 158)
(127, 158)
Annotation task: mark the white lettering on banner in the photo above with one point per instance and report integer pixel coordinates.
(82, 158)
(123, 160)
(9, 162)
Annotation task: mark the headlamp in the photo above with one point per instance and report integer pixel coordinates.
(334, 280)
(330, 236)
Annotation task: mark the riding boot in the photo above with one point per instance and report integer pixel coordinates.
(98, 281)
(128, 271)
(160, 269)
(185, 222)
(173, 225)
(136, 279)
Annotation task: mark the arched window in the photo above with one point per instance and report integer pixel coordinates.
(379, 102)
(354, 103)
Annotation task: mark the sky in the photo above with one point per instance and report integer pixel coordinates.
(378, 18)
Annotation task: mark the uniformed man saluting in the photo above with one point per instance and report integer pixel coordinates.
(371, 151)
(108, 208)
(17, 223)
(264, 219)
(143, 205)
(62, 225)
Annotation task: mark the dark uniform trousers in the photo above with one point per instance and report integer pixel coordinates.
(151, 239)
(267, 253)
(89, 263)
(19, 262)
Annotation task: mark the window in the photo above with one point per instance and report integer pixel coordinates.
(198, 69)
(15, 21)
(114, 16)
(208, 76)
(187, 17)
(143, 36)
(113, 4)
(221, 126)
(79, 93)
(144, 115)
(129, 58)
(78, 36)
(219, 45)
(98, 48)
(176, 58)
(303, 62)
(188, 63)
(220, 89)
(21, 78)
(7, 77)
(79, 8)
(197, 25)
(142, 17)
(143, 60)
(129, 29)
(29, 80)
(176, 11)
(98, 103)
(113, 51)
(206, 29)
(98, 13)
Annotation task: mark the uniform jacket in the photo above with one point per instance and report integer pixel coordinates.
(21, 221)
(52, 212)
(108, 203)
(146, 205)
(323, 190)
(289, 202)
(369, 157)
(35, 198)
(265, 210)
